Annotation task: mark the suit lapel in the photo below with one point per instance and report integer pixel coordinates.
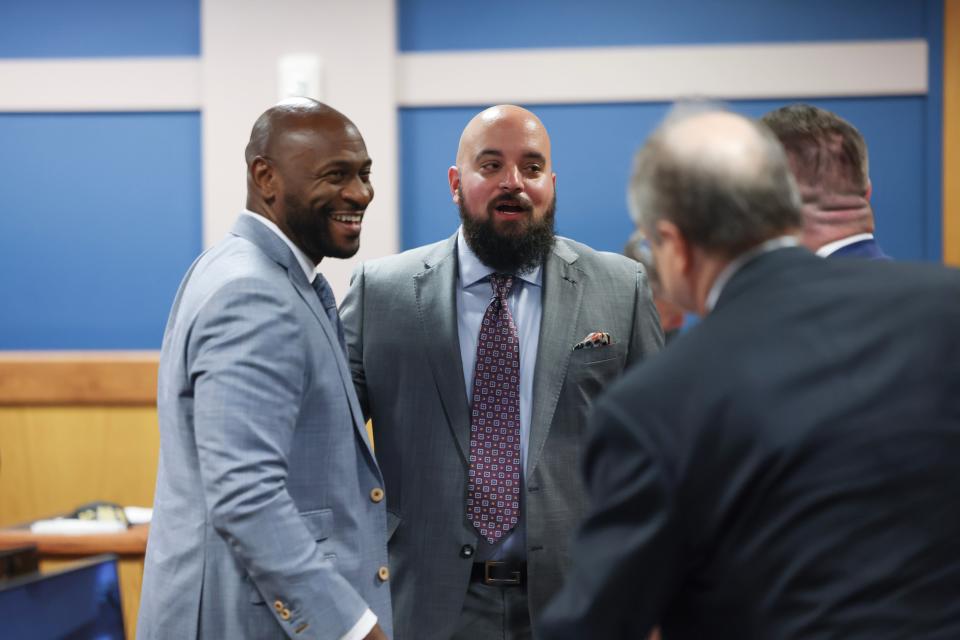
(437, 311)
(310, 297)
(278, 251)
(563, 286)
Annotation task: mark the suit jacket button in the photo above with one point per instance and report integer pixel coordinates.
(278, 605)
(285, 614)
(384, 574)
(466, 551)
(376, 495)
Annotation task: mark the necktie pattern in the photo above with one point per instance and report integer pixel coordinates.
(329, 302)
(493, 492)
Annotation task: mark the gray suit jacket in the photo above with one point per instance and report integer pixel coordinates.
(401, 327)
(263, 520)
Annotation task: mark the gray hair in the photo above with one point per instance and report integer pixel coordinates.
(722, 179)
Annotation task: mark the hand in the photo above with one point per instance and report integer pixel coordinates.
(376, 633)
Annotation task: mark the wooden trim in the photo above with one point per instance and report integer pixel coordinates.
(79, 378)
(951, 133)
(133, 541)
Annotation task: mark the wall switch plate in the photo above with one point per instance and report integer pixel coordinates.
(300, 75)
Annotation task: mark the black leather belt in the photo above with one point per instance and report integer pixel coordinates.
(499, 574)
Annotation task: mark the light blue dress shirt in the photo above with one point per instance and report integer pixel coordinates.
(474, 294)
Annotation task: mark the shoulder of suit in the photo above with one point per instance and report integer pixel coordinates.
(408, 262)
(235, 264)
(588, 258)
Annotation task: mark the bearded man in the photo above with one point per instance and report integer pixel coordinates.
(477, 359)
(268, 519)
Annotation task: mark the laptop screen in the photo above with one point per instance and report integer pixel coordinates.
(81, 602)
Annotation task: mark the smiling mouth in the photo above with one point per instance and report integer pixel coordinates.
(347, 218)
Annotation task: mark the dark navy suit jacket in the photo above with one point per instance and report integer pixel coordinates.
(786, 469)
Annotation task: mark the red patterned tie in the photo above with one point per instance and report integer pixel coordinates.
(493, 494)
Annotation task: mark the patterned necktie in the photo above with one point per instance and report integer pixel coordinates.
(493, 494)
(329, 303)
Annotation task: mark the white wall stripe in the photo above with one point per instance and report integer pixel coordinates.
(101, 84)
(647, 74)
(543, 76)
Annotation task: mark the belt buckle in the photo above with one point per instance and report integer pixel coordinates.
(513, 580)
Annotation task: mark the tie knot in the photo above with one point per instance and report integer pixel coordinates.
(501, 283)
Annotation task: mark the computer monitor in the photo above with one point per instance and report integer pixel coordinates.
(81, 602)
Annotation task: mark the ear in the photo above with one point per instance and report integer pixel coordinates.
(264, 178)
(869, 190)
(675, 245)
(453, 177)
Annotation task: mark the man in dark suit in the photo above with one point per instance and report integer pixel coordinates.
(788, 467)
(571, 320)
(828, 158)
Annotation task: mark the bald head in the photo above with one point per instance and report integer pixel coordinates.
(504, 187)
(503, 116)
(721, 179)
(290, 116)
(308, 171)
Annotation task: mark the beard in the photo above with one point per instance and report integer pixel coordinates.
(310, 227)
(522, 247)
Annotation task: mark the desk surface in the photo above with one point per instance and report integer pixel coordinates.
(133, 541)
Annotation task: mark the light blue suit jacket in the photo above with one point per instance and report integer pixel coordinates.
(266, 521)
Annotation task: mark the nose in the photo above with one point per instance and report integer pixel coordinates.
(511, 181)
(357, 192)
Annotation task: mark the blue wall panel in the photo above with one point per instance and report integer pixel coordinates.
(593, 147)
(427, 25)
(99, 28)
(102, 216)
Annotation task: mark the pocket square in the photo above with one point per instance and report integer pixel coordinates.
(595, 339)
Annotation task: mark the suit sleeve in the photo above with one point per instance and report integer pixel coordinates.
(248, 364)
(351, 315)
(647, 335)
(626, 552)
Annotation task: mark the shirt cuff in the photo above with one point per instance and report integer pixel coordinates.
(364, 625)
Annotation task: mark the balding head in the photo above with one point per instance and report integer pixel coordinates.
(308, 171)
(503, 184)
(720, 178)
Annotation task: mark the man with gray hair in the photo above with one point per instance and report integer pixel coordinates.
(806, 487)
(828, 158)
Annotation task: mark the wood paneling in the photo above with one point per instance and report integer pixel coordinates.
(52, 459)
(951, 133)
(78, 378)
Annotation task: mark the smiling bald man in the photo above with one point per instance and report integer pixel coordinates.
(266, 522)
(477, 358)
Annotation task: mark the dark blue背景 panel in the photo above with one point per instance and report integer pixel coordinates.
(99, 28)
(593, 148)
(426, 25)
(102, 217)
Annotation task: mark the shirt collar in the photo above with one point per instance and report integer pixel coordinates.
(309, 269)
(472, 270)
(836, 245)
(737, 263)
